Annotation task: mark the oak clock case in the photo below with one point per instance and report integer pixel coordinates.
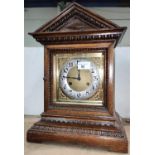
(79, 103)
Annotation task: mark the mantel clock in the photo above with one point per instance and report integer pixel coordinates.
(79, 81)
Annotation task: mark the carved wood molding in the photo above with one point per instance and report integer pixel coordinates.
(81, 122)
(78, 49)
(77, 24)
(48, 39)
(75, 130)
(81, 15)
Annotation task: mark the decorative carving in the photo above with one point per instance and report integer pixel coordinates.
(77, 25)
(49, 77)
(77, 49)
(77, 38)
(75, 130)
(88, 20)
(81, 122)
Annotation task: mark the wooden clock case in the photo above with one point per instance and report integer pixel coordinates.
(77, 29)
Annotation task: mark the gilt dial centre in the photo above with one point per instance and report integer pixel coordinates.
(79, 84)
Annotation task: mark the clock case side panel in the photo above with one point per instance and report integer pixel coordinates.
(110, 80)
(47, 79)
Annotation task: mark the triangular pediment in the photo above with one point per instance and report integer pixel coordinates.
(76, 18)
(76, 24)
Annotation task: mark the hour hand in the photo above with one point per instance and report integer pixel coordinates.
(70, 77)
(79, 78)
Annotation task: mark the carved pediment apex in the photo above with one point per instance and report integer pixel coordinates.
(76, 24)
(76, 18)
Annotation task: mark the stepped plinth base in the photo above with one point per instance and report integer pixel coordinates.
(105, 136)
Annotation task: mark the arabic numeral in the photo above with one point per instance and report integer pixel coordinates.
(70, 64)
(65, 86)
(93, 71)
(62, 78)
(65, 70)
(93, 87)
(78, 94)
(87, 92)
(95, 77)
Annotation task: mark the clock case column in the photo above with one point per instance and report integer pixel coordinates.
(99, 126)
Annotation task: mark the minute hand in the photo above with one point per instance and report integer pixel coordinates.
(79, 78)
(70, 77)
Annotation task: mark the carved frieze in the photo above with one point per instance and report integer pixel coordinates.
(75, 130)
(81, 122)
(83, 17)
(76, 38)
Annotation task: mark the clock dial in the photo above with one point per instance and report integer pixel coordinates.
(79, 78)
(79, 84)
